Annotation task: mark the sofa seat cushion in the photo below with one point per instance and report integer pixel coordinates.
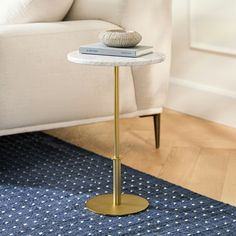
(39, 86)
(28, 11)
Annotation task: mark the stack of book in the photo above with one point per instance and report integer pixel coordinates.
(101, 49)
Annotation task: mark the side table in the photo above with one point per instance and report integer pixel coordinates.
(116, 204)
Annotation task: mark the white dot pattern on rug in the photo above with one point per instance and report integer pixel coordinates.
(44, 183)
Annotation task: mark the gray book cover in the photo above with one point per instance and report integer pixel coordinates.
(101, 49)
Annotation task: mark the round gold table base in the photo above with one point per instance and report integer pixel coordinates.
(130, 204)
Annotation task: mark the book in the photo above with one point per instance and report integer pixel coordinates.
(101, 49)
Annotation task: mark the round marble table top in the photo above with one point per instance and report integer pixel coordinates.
(99, 60)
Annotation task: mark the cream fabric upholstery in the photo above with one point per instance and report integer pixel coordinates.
(40, 89)
(153, 21)
(27, 11)
(107, 10)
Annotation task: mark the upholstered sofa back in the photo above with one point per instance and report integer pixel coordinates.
(107, 10)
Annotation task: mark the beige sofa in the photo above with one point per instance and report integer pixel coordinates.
(40, 89)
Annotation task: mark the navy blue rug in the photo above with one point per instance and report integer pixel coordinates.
(44, 183)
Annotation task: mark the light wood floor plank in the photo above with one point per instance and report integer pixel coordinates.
(209, 172)
(229, 193)
(180, 164)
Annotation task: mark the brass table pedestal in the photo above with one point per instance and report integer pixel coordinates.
(130, 204)
(116, 204)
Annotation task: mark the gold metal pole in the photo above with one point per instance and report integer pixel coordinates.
(116, 204)
(116, 158)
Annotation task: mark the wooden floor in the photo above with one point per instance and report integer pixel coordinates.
(194, 153)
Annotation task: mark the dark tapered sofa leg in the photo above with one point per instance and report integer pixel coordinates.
(157, 129)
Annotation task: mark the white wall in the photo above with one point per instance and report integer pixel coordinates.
(203, 82)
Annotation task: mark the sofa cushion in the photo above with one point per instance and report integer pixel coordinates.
(107, 10)
(28, 11)
(39, 86)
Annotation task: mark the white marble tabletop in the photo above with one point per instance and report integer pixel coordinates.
(99, 60)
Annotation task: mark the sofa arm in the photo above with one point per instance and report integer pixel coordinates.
(153, 20)
(107, 10)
